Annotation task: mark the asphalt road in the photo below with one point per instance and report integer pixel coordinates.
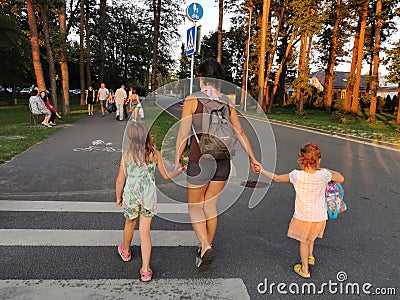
(251, 244)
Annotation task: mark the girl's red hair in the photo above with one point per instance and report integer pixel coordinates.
(309, 156)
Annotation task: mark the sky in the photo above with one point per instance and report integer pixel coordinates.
(209, 23)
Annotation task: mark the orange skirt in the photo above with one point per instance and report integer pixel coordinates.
(305, 231)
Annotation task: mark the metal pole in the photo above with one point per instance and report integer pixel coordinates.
(247, 63)
(191, 74)
(192, 63)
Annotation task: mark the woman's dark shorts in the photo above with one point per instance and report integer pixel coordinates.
(208, 170)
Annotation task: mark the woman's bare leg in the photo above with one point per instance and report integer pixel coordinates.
(197, 216)
(213, 191)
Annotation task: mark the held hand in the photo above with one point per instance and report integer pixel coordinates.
(119, 201)
(178, 169)
(256, 166)
(257, 169)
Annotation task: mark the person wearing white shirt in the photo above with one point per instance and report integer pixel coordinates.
(102, 97)
(120, 98)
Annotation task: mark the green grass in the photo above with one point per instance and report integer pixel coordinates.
(16, 134)
(164, 129)
(384, 129)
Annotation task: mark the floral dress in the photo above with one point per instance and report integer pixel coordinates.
(140, 195)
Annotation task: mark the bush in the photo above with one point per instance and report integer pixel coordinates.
(301, 114)
(341, 117)
(381, 104)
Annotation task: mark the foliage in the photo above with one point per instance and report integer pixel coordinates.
(393, 63)
(300, 114)
(15, 51)
(341, 117)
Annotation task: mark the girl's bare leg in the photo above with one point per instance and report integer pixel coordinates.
(145, 242)
(304, 248)
(128, 234)
(310, 248)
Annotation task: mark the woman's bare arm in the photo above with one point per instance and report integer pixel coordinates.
(242, 137)
(189, 107)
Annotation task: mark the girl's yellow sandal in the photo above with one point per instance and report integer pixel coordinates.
(298, 270)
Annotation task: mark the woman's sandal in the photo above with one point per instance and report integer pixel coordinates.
(204, 262)
(299, 271)
(311, 260)
(146, 276)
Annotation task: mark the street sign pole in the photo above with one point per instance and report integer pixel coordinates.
(194, 12)
(192, 62)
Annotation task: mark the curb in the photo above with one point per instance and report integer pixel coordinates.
(332, 133)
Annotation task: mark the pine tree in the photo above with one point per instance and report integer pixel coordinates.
(393, 65)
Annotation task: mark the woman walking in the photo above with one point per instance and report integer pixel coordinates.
(205, 180)
(90, 98)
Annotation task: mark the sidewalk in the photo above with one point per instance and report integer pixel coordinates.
(70, 163)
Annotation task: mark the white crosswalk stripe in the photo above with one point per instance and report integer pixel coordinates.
(195, 289)
(92, 238)
(31, 288)
(78, 206)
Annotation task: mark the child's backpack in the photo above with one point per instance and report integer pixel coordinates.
(218, 137)
(334, 195)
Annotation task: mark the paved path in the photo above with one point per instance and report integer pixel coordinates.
(52, 190)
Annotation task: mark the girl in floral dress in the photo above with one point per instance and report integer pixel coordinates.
(136, 190)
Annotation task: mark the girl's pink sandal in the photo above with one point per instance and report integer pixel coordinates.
(146, 276)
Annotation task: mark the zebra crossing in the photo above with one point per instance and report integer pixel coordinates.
(64, 240)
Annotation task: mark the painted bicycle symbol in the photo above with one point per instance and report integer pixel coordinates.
(98, 146)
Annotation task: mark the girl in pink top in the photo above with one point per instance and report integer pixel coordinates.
(310, 214)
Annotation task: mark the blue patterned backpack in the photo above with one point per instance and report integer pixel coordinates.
(334, 195)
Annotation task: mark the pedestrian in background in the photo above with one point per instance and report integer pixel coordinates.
(310, 214)
(120, 99)
(90, 98)
(38, 107)
(136, 190)
(102, 95)
(135, 105)
(54, 113)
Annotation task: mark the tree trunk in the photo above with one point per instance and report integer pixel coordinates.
(50, 58)
(102, 36)
(157, 16)
(329, 72)
(246, 57)
(220, 22)
(350, 79)
(261, 72)
(82, 51)
(269, 102)
(302, 70)
(37, 64)
(355, 102)
(88, 48)
(283, 62)
(62, 19)
(281, 87)
(374, 82)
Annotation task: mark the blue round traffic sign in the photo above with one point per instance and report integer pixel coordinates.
(194, 12)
